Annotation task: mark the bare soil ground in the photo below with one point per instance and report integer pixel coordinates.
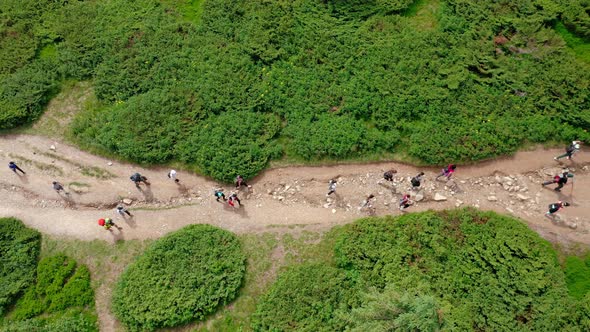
(286, 199)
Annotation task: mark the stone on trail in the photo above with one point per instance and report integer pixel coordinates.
(438, 197)
(522, 197)
(52, 147)
(509, 210)
(127, 201)
(333, 210)
(110, 163)
(492, 198)
(419, 197)
(327, 205)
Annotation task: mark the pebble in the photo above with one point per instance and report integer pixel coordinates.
(52, 147)
(333, 210)
(438, 197)
(492, 198)
(110, 163)
(509, 210)
(522, 197)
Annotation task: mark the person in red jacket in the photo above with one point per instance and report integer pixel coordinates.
(447, 171)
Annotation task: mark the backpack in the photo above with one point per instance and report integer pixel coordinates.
(415, 182)
(570, 148)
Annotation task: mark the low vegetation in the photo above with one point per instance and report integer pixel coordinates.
(182, 277)
(246, 82)
(456, 270)
(19, 251)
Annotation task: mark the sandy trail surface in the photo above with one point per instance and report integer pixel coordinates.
(281, 197)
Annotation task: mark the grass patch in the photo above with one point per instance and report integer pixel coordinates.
(423, 14)
(90, 171)
(191, 10)
(51, 169)
(580, 46)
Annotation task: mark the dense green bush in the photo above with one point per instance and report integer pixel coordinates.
(577, 274)
(182, 277)
(312, 297)
(233, 143)
(19, 250)
(342, 78)
(61, 298)
(489, 272)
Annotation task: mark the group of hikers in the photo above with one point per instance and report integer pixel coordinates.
(404, 202)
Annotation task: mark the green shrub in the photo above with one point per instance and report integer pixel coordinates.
(232, 143)
(491, 272)
(19, 248)
(60, 285)
(577, 276)
(310, 297)
(182, 277)
(72, 320)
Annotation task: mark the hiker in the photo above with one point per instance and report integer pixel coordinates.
(14, 167)
(137, 178)
(331, 187)
(417, 180)
(560, 179)
(553, 208)
(233, 198)
(219, 194)
(405, 202)
(172, 175)
(389, 175)
(121, 210)
(570, 150)
(241, 182)
(368, 202)
(447, 172)
(107, 223)
(59, 187)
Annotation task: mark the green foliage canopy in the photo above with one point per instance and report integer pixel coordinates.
(182, 277)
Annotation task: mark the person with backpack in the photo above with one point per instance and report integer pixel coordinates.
(58, 187)
(233, 199)
(389, 175)
(172, 175)
(218, 193)
(121, 210)
(107, 223)
(241, 182)
(14, 167)
(570, 150)
(553, 208)
(405, 202)
(331, 187)
(137, 178)
(447, 171)
(560, 179)
(417, 180)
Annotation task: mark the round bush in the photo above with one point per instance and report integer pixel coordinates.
(491, 271)
(309, 297)
(182, 277)
(19, 250)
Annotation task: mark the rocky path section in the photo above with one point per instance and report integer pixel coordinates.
(282, 197)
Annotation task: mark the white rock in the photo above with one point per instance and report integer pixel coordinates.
(509, 210)
(327, 205)
(572, 225)
(438, 197)
(281, 198)
(333, 210)
(419, 197)
(110, 163)
(522, 197)
(492, 198)
(52, 147)
(127, 201)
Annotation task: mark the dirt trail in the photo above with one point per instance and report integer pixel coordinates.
(284, 197)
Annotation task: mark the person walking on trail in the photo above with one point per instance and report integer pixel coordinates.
(172, 175)
(405, 202)
(447, 171)
(560, 179)
(553, 208)
(417, 180)
(331, 187)
(107, 223)
(59, 188)
(14, 167)
(137, 178)
(570, 150)
(389, 175)
(122, 211)
(241, 182)
(233, 199)
(218, 193)
(368, 202)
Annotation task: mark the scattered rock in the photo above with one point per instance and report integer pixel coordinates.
(127, 201)
(522, 197)
(419, 197)
(327, 205)
(492, 198)
(52, 147)
(438, 197)
(333, 210)
(509, 210)
(281, 198)
(572, 225)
